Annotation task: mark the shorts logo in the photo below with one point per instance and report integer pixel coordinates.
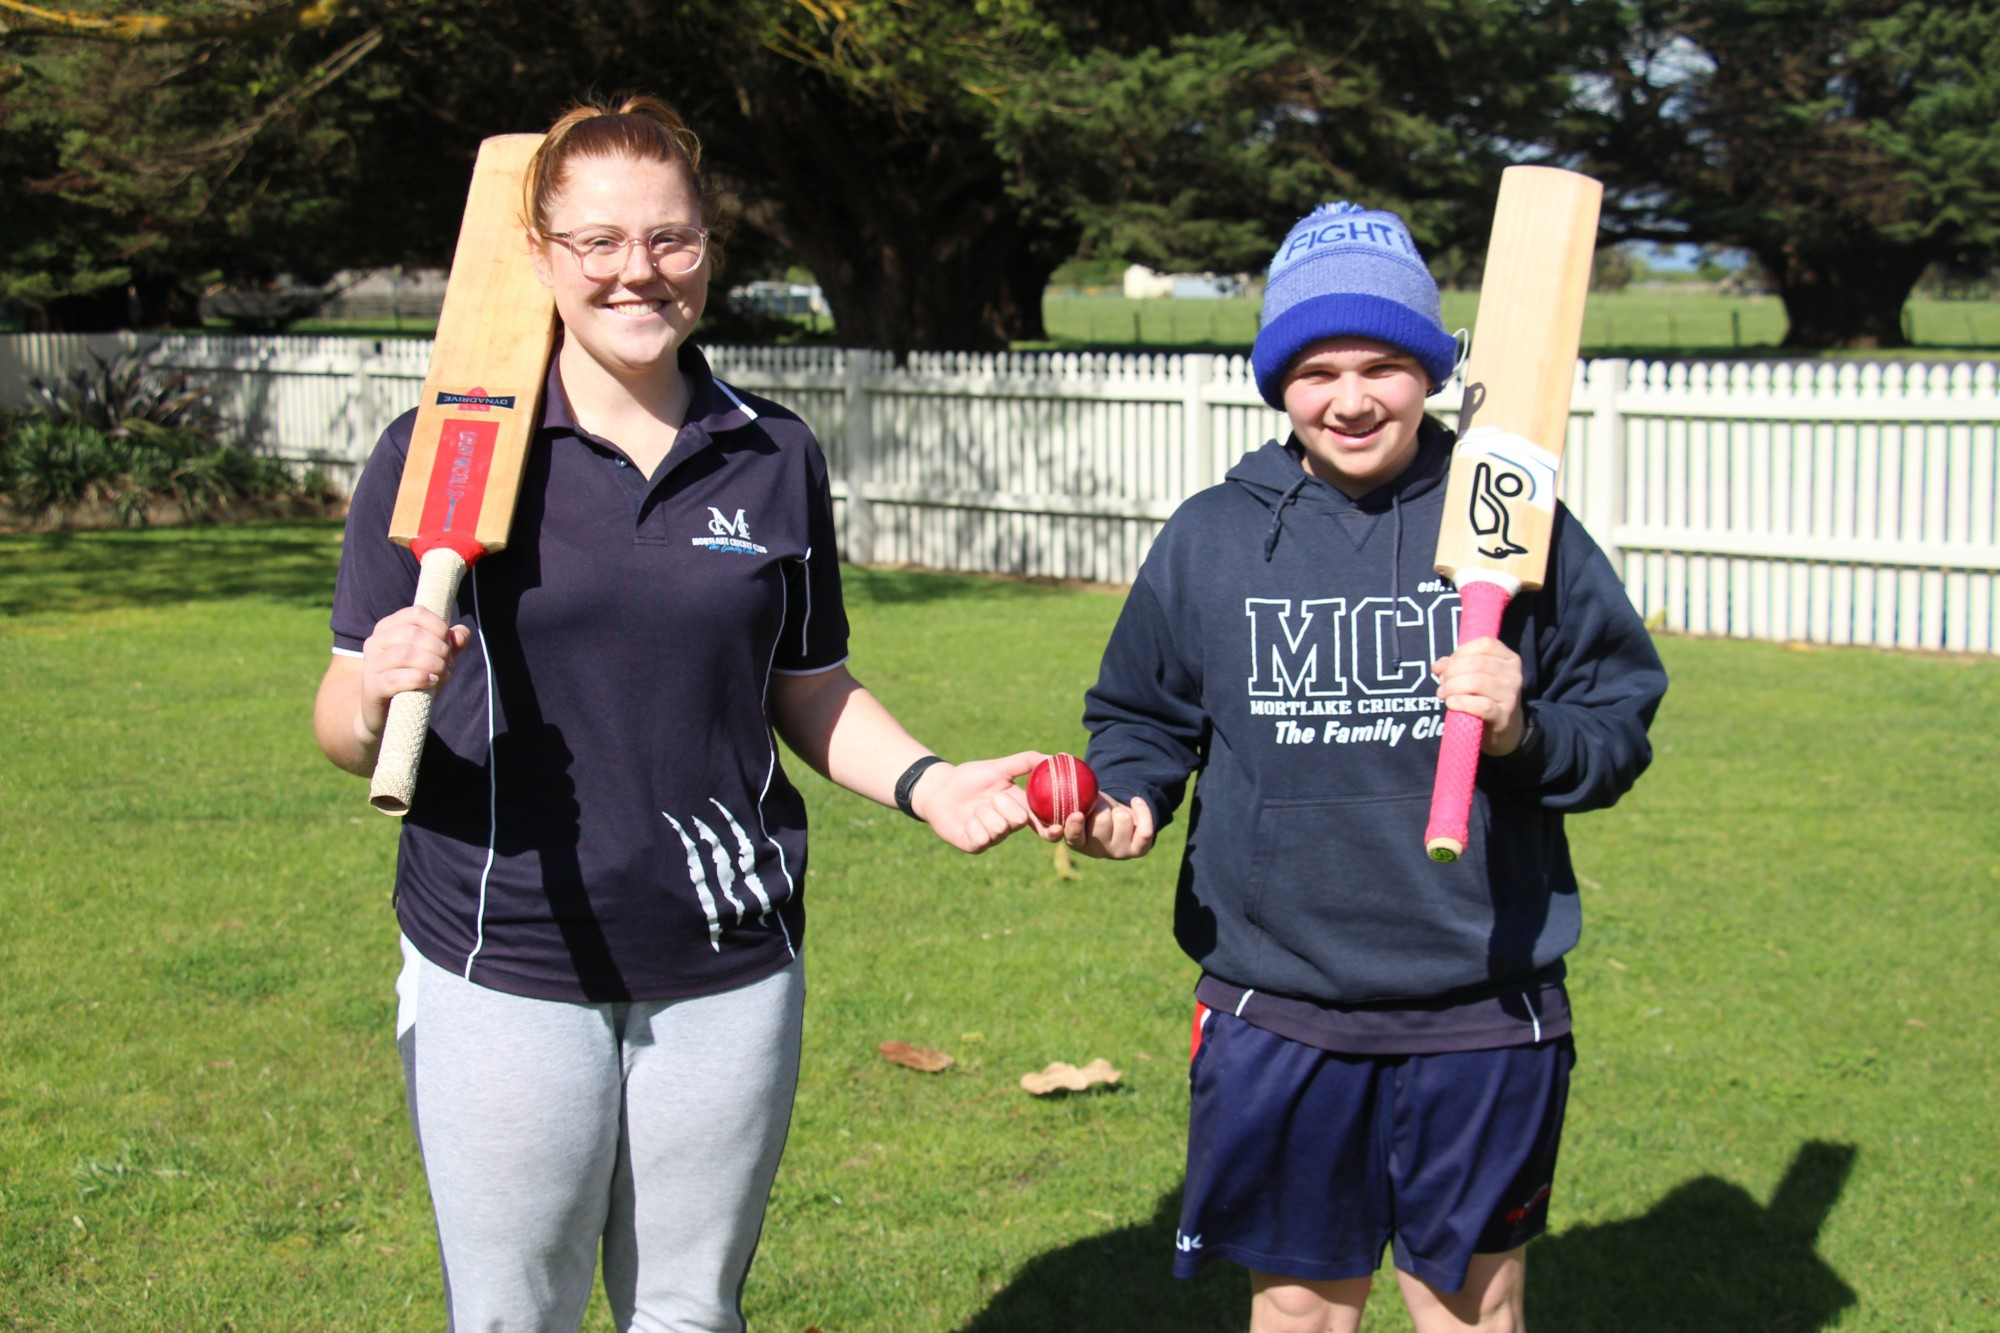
(730, 536)
(1541, 1196)
(1185, 1243)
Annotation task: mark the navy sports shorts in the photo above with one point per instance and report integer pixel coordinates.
(1305, 1164)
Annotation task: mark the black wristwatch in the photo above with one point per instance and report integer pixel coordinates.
(908, 783)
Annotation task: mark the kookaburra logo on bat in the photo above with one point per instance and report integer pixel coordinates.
(1492, 488)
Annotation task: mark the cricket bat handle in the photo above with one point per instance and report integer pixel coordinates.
(395, 780)
(1481, 604)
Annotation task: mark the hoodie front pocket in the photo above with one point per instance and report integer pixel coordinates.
(1351, 908)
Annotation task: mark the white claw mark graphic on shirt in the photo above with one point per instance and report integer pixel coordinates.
(699, 874)
(725, 874)
(746, 857)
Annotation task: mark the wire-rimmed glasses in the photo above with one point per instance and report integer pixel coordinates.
(600, 251)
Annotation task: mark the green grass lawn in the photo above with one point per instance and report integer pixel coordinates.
(1786, 994)
(1649, 322)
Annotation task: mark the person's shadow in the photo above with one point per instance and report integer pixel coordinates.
(1706, 1257)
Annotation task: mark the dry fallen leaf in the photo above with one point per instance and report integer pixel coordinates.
(923, 1058)
(1060, 1077)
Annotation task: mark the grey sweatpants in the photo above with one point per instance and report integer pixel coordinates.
(551, 1130)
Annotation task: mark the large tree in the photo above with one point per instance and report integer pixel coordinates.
(1847, 144)
(144, 156)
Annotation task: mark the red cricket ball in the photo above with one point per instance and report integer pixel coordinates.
(1060, 784)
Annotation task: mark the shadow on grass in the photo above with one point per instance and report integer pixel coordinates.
(1119, 1282)
(291, 561)
(1708, 1256)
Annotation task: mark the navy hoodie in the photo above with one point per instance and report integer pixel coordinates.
(1278, 643)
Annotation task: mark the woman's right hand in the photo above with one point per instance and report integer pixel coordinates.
(412, 649)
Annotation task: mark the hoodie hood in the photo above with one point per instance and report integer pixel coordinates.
(1275, 471)
(1276, 477)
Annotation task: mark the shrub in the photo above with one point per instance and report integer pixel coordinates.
(129, 436)
(51, 466)
(114, 394)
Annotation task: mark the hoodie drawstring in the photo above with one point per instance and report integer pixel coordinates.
(1396, 575)
(1278, 514)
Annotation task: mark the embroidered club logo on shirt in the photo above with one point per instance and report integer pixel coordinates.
(731, 536)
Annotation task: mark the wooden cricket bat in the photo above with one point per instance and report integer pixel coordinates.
(1500, 499)
(477, 416)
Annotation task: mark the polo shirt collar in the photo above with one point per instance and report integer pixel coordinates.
(713, 407)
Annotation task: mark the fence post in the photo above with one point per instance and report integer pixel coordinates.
(1197, 370)
(356, 419)
(860, 456)
(1604, 457)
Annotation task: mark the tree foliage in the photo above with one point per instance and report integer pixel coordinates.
(930, 161)
(933, 161)
(1846, 144)
(205, 147)
(1195, 141)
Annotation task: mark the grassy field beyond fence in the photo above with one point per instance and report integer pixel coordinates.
(1652, 322)
(1786, 993)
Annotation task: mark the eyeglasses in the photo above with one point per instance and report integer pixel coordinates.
(600, 252)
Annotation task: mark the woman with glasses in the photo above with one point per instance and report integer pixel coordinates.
(599, 881)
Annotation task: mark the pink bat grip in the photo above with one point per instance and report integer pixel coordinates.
(1480, 606)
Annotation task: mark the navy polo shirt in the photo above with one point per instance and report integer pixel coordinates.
(600, 814)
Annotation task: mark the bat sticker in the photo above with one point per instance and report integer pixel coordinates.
(476, 401)
(458, 485)
(1488, 518)
(1509, 470)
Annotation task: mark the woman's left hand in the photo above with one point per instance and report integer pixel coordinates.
(974, 805)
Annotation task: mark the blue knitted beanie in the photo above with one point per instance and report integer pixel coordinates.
(1347, 271)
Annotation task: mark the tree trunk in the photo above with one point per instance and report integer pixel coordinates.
(101, 311)
(976, 289)
(1847, 298)
(165, 302)
(910, 230)
(147, 303)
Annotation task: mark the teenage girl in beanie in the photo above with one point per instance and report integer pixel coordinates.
(600, 880)
(1382, 1043)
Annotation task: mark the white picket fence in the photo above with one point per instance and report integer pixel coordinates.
(1818, 501)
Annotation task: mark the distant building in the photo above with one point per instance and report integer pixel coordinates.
(779, 298)
(378, 295)
(1143, 284)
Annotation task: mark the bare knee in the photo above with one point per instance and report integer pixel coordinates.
(1293, 1305)
(1491, 1301)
